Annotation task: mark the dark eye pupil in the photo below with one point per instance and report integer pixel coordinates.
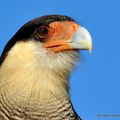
(44, 31)
(41, 32)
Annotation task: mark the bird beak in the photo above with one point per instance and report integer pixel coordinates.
(81, 40)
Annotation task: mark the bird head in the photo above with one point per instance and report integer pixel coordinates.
(50, 41)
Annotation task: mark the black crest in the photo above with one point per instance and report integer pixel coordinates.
(28, 29)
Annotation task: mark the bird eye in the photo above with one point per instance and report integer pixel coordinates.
(41, 32)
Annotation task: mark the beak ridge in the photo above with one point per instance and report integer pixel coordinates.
(82, 40)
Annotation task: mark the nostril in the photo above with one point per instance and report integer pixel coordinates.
(75, 27)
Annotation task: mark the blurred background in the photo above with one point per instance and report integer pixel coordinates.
(95, 83)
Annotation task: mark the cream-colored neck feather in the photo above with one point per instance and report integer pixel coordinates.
(30, 73)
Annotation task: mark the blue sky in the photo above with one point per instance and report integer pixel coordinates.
(95, 84)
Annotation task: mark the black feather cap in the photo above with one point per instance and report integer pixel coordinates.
(28, 29)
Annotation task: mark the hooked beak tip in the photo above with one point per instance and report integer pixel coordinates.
(82, 40)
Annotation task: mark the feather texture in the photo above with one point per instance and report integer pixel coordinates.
(34, 85)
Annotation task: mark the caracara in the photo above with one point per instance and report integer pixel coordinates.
(35, 66)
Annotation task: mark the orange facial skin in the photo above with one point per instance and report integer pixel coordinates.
(60, 34)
